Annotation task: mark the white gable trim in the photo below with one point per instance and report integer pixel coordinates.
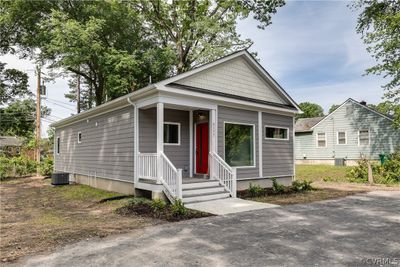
(252, 62)
(352, 100)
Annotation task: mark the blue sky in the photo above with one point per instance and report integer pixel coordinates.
(311, 49)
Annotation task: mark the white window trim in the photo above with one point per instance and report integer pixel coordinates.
(278, 127)
(325, 138)
(254, 143)
(58, 145)
(179, 134)
(345, 138)
(369, 137)
(79, 139)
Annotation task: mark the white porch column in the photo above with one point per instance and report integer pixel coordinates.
(136, 144)
(191, 143)
(160, 138)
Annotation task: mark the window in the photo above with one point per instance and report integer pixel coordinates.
(341, 138)
(58, 145)
(79, 137)
(172, 135)
(239, 144)
(363, 138)
(276, 133)
(321, 140)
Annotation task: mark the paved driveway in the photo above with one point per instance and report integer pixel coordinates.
(349, 231)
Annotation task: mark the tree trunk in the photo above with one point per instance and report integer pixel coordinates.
(370, 176)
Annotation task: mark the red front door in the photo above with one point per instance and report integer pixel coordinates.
(202, 148)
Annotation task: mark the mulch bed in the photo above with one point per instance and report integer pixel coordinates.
(145, 210)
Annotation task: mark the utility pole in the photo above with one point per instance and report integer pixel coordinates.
(78, 94)
(38, 70)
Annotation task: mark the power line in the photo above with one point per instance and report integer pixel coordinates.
(60, 105)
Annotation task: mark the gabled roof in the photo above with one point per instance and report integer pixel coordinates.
(162, 86)
(252, 63)
(357, 103)
(304, 125)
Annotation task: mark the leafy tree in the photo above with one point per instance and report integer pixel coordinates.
(379, 24)
(18, 118)
(333, 107)
(200, 31)
(310, 110)
(13, 84)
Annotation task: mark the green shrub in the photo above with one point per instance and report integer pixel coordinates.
(16, 167)
(178, 208)
(158, 205)
(5, 168)
(276, 187)
(46, 167)
(299, 186)
(255, 190)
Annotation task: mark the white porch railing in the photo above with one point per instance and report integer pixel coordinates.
(220, 170)
(160, 168)
(171, 178)
(147, 168)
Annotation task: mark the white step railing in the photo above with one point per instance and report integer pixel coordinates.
(147, 168)
(171, 178)
(160, 168)
(220, 170)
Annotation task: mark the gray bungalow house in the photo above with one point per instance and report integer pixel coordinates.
(197, 136)
(351, 132)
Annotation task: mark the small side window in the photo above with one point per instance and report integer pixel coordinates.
(58, 145)
(79, 137)
(321, 140)
(363, 138)
(341, 138)
(279, 133)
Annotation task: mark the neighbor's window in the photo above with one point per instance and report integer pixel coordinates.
(79, 137)
(239, 144)
(363, 137)
(172, 133)
(276, 133)
(58, 145)
(321, 140)
(341, 138)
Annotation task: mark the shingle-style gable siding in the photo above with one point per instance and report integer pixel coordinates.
(106, 150)
(351, 118)
(234, 77)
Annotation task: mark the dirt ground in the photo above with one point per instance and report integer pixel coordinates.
(38, 217)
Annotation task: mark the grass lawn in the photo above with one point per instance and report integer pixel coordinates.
(322, 173)
(37, 217)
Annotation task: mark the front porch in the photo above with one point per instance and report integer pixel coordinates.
(175, 152)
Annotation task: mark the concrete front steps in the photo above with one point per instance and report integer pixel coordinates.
(203, 191)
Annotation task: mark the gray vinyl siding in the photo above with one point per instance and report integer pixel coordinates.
(234, 77)
(277, 154)
(178, 155)
(106, 150)
(383, 138)
(226, 114)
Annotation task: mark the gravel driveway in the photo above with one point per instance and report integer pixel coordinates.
(351, 231)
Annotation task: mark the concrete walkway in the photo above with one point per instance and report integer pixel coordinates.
(352, 231)
(229, 205)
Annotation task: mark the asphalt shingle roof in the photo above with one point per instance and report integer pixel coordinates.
(305, 124)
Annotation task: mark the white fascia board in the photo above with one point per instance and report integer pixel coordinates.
(115, 104)
(226, 101)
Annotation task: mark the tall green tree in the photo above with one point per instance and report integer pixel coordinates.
(13, 84)
(200, 31)
(379, 24)
(310, 110)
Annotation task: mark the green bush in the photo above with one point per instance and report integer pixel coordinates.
(255, 190)
(158, 205)
(178, 208)
(276, 187)
(16, 167)
(46, 167)
(299, 186)
(387, 173)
